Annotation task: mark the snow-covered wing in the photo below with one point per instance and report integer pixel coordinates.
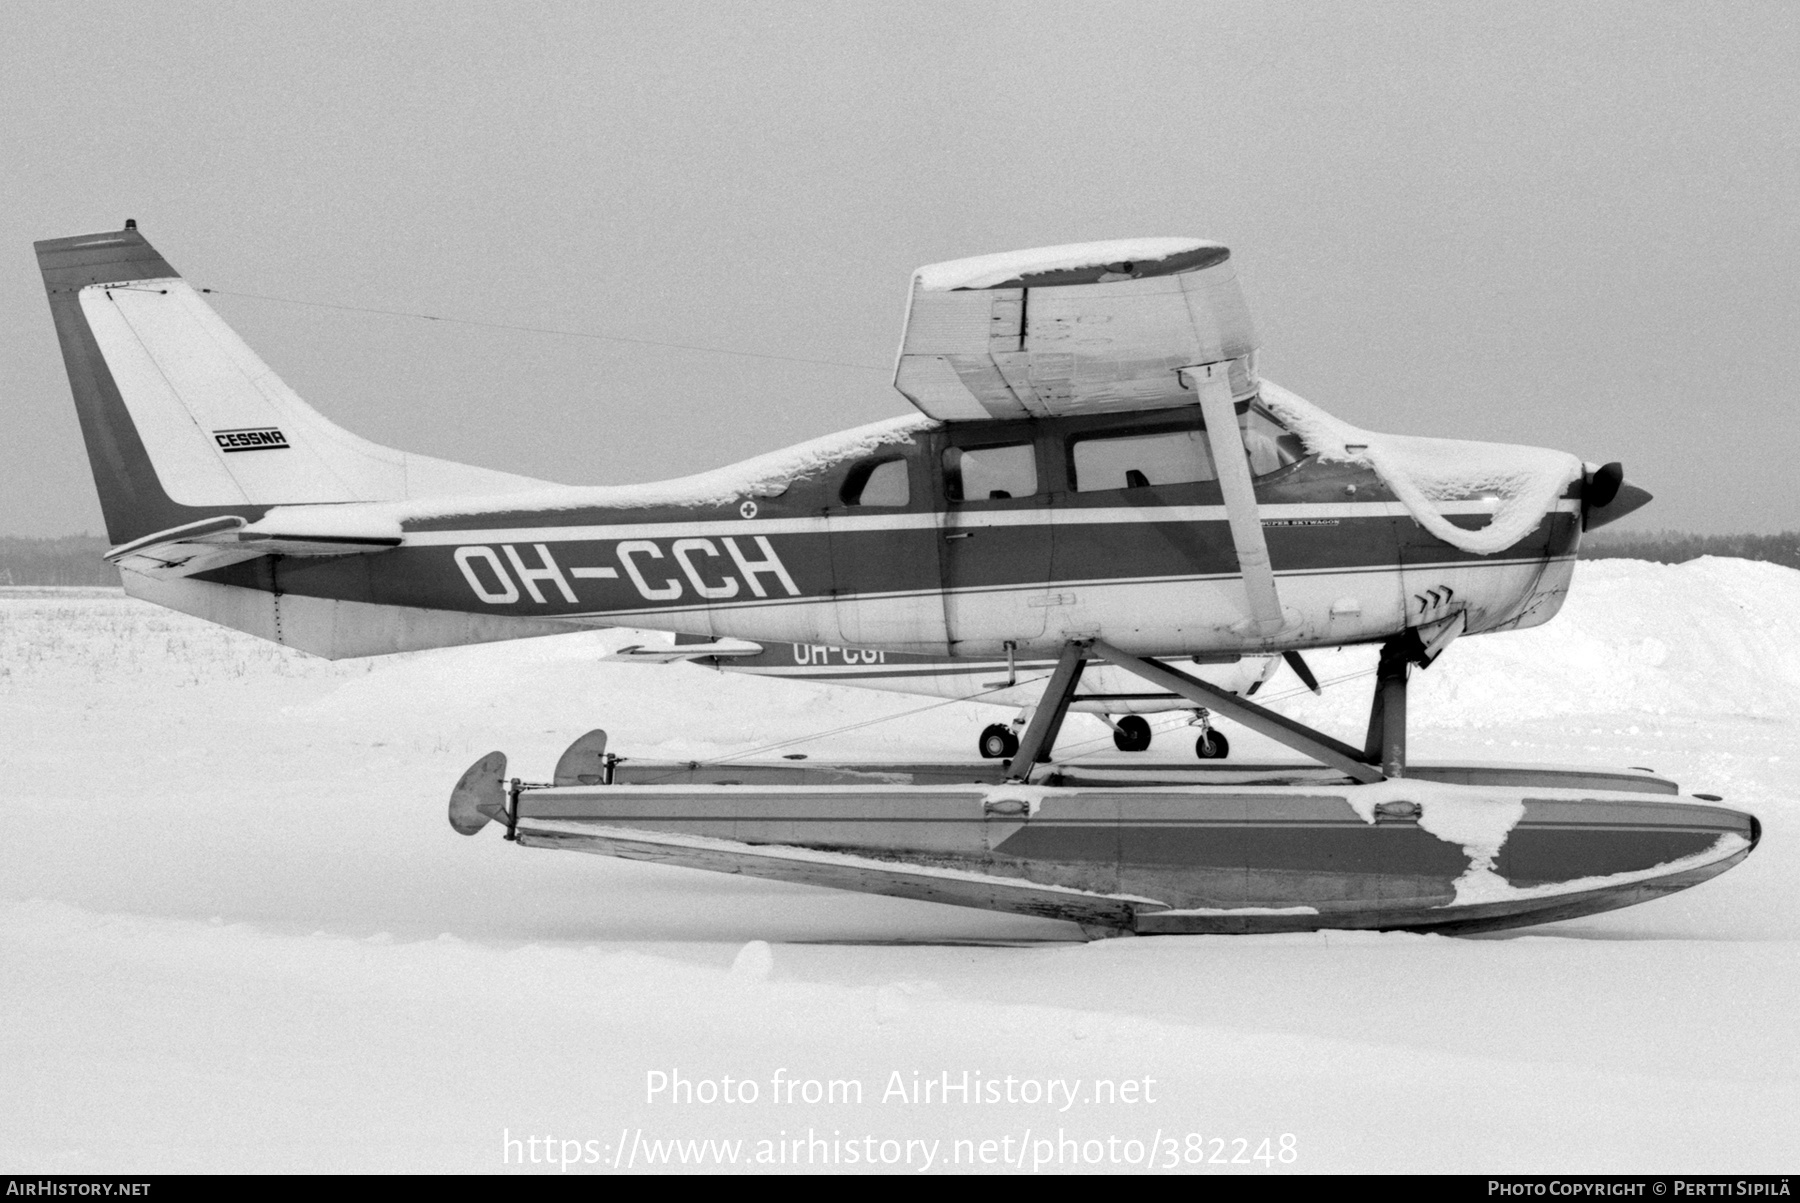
(1089, 328)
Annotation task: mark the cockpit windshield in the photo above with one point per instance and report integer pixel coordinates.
(1269, 445)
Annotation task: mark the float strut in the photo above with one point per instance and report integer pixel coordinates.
(1301, 738)
(1047, 718)
(1386, 742)
(513, 789)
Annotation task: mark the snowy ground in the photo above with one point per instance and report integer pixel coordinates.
(236, 932)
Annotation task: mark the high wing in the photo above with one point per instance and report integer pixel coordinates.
(1149, 323)
(1088, 328)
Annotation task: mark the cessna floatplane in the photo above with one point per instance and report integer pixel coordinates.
(1098, 487)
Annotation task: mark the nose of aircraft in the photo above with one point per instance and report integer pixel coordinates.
(1607, 496)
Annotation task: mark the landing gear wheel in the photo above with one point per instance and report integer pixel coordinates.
(998, 742)
(1131, 734)
(1212, 745)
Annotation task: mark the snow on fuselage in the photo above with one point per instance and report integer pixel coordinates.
(916, 537)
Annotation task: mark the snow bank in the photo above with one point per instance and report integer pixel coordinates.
(1526, 482)
(1711, 637)
(985, 271)
(136, 1043)
(378, 993)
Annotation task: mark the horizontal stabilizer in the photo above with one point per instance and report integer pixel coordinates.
(216, 542)
(719, 648)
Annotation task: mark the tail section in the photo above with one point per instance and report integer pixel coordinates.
(184, 422)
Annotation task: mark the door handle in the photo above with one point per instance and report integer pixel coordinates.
(961, 534)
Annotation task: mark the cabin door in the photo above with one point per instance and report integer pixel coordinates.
(996, 542)
(886, 575)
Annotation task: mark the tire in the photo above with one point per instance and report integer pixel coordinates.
(1212, 746)
(1132, 734)
(998, 742)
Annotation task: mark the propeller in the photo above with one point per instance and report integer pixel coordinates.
(1302, 671)
(1603, 485)
(1606, 496)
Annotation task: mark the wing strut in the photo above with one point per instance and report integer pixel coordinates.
(1212, 383)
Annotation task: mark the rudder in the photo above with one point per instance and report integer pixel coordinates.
(183, 421)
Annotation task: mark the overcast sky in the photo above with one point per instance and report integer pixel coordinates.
(1566, 225)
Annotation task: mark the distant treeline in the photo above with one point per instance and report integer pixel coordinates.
(1677, 547)
(70, 560)
(76, 559)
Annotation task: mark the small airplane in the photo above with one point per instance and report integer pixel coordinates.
(1098, 484)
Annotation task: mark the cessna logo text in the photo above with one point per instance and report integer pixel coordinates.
(260, 438)
(660, 570)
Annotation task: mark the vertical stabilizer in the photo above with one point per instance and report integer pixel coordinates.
(183, 421)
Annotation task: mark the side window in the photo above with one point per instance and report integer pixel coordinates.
(1140, 460)
(876, 482)
(990, 473)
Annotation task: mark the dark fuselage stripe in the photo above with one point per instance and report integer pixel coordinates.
(612, 579)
